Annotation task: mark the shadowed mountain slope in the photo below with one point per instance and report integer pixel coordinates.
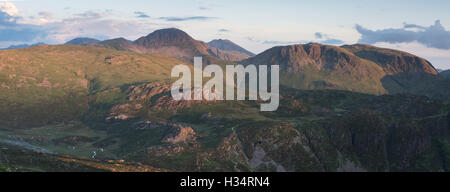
(446, 73)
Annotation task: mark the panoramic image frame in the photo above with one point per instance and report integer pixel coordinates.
(251, 87)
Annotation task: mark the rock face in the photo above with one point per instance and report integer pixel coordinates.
(296, 58)
(179, 134)
(154, 96)
(356, 59)
(267, 143)
(227, 45)
(315, 66)
(383, 146)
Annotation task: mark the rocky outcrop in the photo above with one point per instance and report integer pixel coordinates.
(153, 96)
(180, 134)
(381, 145)
(266, 145)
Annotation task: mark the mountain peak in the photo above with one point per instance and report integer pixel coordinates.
(170, 32)
(165, 37)
(227, 45)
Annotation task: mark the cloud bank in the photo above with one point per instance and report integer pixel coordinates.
(434, 36)
(9, 8)
(13, 31)
(42, 28)
(101, 24)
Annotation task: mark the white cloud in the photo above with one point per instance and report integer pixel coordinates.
(435, 36)
(93, 24)
(9, 8)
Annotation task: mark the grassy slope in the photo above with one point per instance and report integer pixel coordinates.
(52, 82)
(312, 79)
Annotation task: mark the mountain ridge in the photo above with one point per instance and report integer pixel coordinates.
(23, 46)
(393, 61)
(82, 41)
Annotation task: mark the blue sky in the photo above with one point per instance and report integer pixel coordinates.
(409, 25)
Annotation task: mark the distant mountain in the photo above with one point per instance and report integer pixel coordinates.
(358, 68)
(173, 42)
(446, 73)
(23, 46)
(120, 44)
(177, 43)
(82, 41)
(227, 45)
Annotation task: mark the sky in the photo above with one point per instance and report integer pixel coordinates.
(416, 26)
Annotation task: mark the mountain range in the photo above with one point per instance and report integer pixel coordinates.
(23, 46)
(360, 68)
(106, 106)
(172, 42)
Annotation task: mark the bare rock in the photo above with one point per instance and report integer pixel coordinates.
(180, 134)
